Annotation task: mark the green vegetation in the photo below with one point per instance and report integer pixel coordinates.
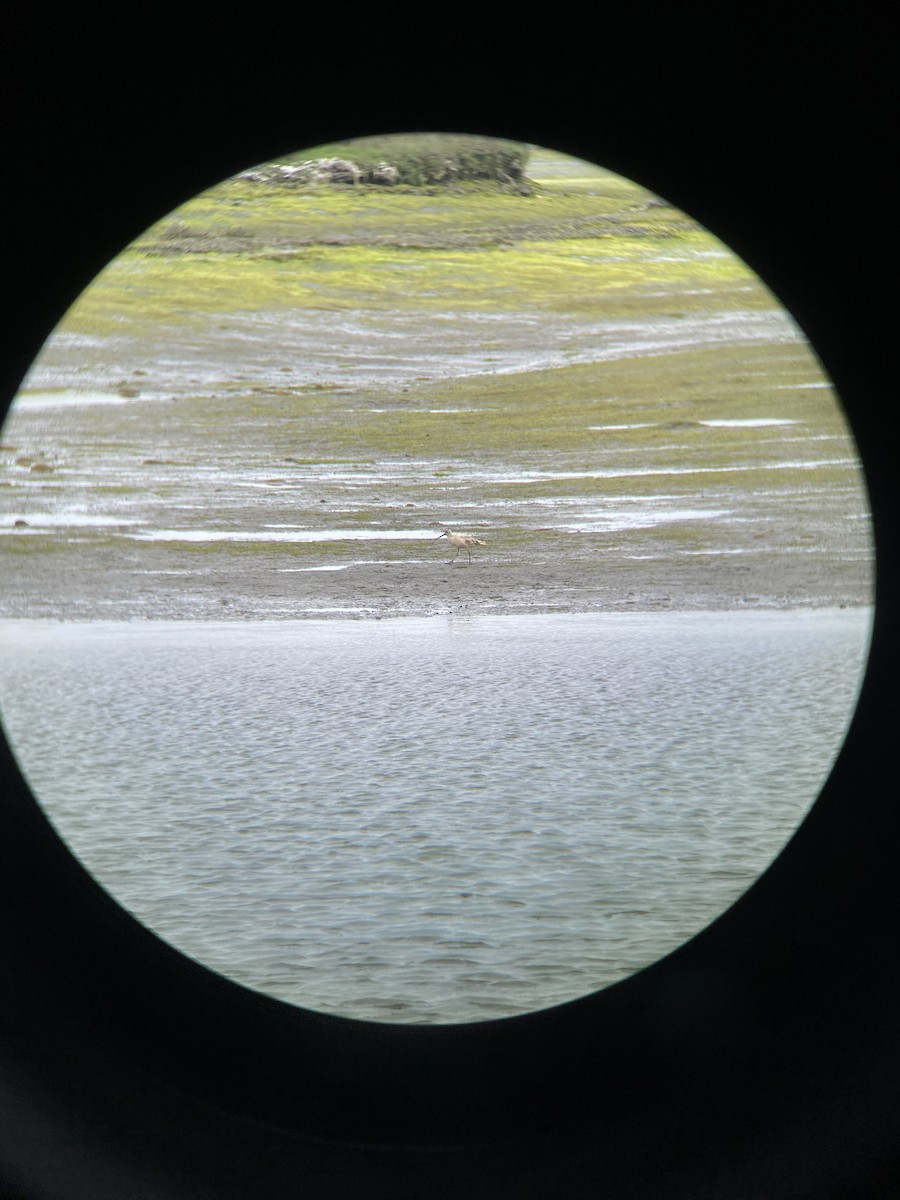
(146, 288)
(582, 245)
(510, 417)
(426, 159)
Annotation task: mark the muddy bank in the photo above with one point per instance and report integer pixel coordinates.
(264, 585)
(268, 406)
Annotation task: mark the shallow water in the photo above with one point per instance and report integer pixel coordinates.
(431, 820)
(383, 349)
(214, 490)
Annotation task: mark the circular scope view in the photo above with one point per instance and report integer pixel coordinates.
(436, 578)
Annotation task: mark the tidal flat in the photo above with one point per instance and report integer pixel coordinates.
(270, 404)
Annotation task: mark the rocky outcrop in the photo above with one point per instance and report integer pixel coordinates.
(346, 172)
(323, 170)
(384, 173)
(337, 170)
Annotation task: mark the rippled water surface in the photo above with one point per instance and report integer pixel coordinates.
(431, 820)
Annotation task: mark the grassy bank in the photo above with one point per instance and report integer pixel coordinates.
(585, 243)
(429, 159)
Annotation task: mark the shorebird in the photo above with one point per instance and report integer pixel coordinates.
(462, 541)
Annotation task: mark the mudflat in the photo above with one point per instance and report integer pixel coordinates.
(105, 583)
(272, 403)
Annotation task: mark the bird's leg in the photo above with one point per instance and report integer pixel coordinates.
(454, 558)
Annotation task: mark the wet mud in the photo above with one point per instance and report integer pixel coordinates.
(278, 425)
